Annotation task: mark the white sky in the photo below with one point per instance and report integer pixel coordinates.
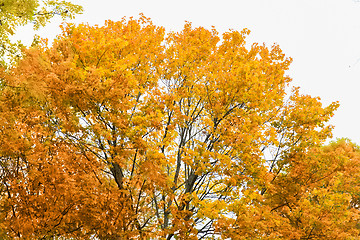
(322, 37)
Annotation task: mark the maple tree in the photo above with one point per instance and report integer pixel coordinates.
(123, 131)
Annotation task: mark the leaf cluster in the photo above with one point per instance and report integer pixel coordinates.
(16, 13)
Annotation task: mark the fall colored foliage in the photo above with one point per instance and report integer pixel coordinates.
(16, 13)
(125, 132)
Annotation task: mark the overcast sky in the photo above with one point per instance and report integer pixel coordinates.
(322, 37)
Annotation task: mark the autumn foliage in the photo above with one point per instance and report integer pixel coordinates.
(36, 13)
(125, 132)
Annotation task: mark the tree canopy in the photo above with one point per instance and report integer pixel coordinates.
(122, 131)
